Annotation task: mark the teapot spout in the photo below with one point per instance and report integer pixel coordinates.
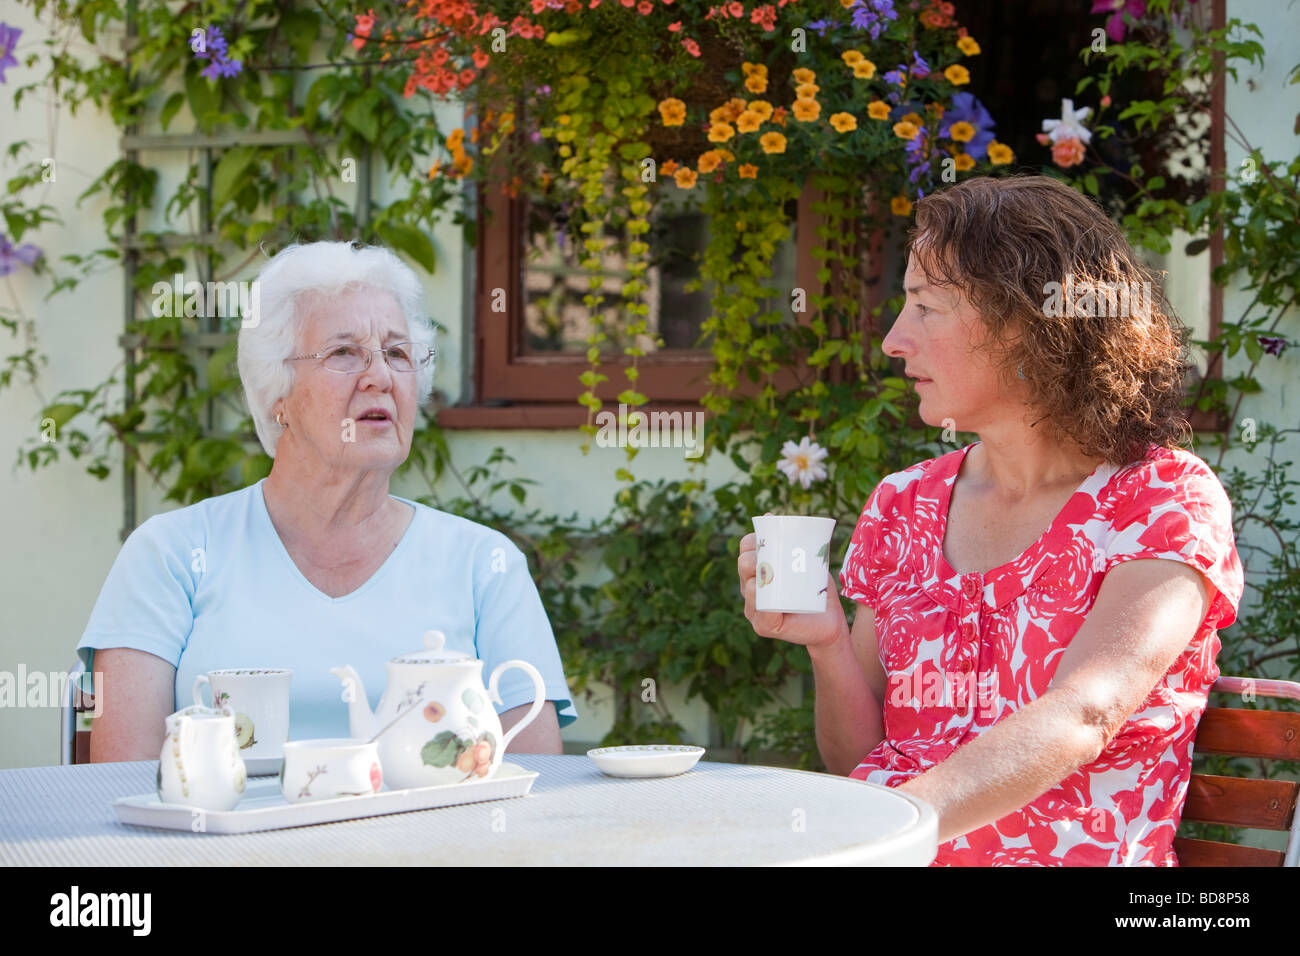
(361, 721)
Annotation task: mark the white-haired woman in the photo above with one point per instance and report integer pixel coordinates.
(317, 565)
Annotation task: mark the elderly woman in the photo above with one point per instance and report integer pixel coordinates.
(317, 565)
(1037, 612)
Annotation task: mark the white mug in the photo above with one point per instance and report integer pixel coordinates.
(259, 699)
(793, 563)
(330, 767)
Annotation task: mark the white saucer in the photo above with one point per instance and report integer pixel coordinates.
(648, 760)
(262, 766)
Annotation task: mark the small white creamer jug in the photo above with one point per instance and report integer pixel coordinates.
(200, 764)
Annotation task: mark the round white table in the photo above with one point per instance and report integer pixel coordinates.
(715, 815)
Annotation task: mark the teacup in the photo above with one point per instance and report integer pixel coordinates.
(330, 767)
(793, 563)
(259, 698)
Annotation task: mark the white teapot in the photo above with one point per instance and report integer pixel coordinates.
(435, 722)
(200, 764)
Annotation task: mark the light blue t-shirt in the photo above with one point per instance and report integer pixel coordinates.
(211, 586)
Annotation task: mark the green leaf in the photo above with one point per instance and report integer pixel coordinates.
(61, 413)
(226, 177)
(360, 113)
(442, 750)
(173, 104)
(301, 27)
(472, 700)
(411, 240)
(204, 97)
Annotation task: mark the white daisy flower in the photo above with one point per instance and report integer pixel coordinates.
(803, 462)
(1070, 125)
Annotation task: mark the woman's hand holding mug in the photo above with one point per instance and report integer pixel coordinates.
(812, 630)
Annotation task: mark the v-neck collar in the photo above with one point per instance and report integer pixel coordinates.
(1006, 582)
(264, 515)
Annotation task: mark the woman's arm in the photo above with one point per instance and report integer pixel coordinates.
(542, 736)
(1146, 613)
(135, 691)
(849, 715)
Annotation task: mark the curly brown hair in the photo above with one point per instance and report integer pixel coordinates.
(1067, 302)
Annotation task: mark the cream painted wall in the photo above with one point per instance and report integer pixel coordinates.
(61, 527)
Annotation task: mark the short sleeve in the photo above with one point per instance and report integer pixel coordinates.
(147, 601)
(511, 623)
(856, 581)
(1175, 508)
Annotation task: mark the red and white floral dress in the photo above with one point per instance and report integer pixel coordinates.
(962, 651)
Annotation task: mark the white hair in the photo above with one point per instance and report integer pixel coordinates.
(271, 333)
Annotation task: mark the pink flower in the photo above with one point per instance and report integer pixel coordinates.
(1067, 153)
(675, 27)
(692, 47)
(1105, 101)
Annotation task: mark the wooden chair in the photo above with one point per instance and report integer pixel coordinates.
(74, 744)
(1244, 801)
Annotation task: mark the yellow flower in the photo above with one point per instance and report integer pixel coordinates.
(913, 118)
(905, 130)
(806, 91)
(762, 107)
(900, 206)
(962, 132)
(963, 162)
(726, 154)
(734, 107)
(851, 57)
(957, 74)
(753, 69)
(806, 110)
(720, 115)
(673, 112)
(721, 132)
(803, 75)
(864, 69)
(772, 143)
(747, 171)
(756, 83)
(685, 177)
(878, 110)
(844, 122)
(455, 139)
(1000, 153)
(710, 161)
(847, 3)
(748, 122)
(464, 164)
(968, 46)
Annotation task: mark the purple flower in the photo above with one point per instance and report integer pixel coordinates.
(1117, 9)
(212, 46)
(11, 256)
(919, 67)
(1272, 345)
(966, 109)
(821, 26)
(8, 40)
(895, 77)
(873, 16)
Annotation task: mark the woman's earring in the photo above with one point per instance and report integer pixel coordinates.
(1020, 371)
(283, 425)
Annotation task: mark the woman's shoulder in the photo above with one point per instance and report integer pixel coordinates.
(462, 530)
(1170, 472)
(903, 485)
(219, 511)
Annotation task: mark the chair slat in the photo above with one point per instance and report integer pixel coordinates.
(1272, 734)
(1210, 853)
(1241, 802)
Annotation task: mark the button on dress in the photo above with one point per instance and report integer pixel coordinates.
(963, 651)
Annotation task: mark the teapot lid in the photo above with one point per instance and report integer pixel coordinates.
(435, 652)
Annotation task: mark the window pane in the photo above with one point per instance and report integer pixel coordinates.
(555, 318)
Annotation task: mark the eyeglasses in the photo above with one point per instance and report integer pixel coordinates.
(345, 359)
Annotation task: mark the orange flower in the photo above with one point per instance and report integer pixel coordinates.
(900, 206)
(1000, 153)
(852, 57)
(957, 74)
(1066, 153)
(844, 122)
(747, 171)
(905, 130)
(727, 155)
(754, 69)
(669, 167)
(734, 107)
(878, 110)
(864, 69)
(721, 132)
(685, 177)
(673, 111)
(433, 170)
(806, 110)
(760, 107)
(963, 162)
(803, 75)
(710, 161)
(968, 46)
(748, 122)
(806, 91)
(756, 83)
(772, 143)
(962, 132)
(913, 118)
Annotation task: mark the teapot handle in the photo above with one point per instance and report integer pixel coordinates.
(539, 696)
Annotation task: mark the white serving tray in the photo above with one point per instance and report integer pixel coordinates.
(263, 807)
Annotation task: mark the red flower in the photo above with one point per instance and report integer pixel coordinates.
(675, 27)
(376, 777)
(692, 47)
